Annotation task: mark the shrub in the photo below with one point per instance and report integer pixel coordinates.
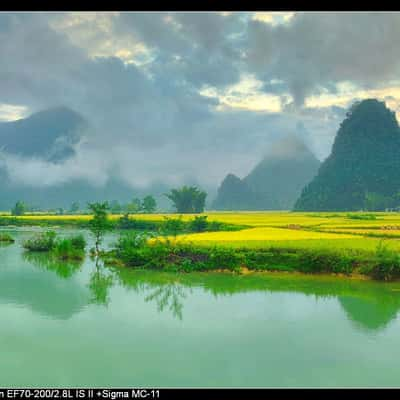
(41, 242)
(199, 224)
(386, 265)
(70, 248)
(173, 226)
(6, 238)
(130, 223)
(78, 242)
(366, 217)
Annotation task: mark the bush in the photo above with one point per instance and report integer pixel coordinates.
(130, 223)
(70, 248)
(173, 226)
(78, 242)
(366, 217)
(6, 238)
(386, 265)
(199, 224)
(41, 242)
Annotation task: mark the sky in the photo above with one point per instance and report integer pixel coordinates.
(182, 97)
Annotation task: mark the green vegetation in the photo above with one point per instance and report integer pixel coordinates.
(137, 251)
(100, 223)
(41, 242)
(361, 173)
(188, 199)
(18, 209)
(71, 248)
(149, 204)
(6, 238)
(365, 217)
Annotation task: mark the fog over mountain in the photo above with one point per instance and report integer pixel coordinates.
(180, 97)
(274, 183)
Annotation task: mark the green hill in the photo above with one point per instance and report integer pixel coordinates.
(363, 169)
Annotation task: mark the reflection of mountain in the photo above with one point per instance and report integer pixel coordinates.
(370, 304)
(371, 314)
(44, 285)
(45, 293)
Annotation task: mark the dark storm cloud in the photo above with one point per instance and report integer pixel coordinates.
(317, 50)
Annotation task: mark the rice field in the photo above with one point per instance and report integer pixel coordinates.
(358, 231)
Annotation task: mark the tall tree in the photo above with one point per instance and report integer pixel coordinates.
(149, 204)
(134, 206)
(19, 208)
(100, 223)
(188, 199)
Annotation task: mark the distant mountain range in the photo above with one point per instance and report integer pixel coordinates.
(49, 134)
(274, 184)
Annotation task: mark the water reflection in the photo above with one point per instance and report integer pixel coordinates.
(63, 269)
(369, 305)
(169, 296)
(40, 289)
(100, 282)
(371, 313)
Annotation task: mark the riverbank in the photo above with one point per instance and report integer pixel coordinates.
(339, 243)
(174, 254)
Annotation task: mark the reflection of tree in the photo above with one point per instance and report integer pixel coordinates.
(64, 269)
(99, 284)
(165, 289)
(372, 305)
(169, 296)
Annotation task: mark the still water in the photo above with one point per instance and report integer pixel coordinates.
(64, 324)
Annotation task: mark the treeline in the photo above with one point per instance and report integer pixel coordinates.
(187, 199)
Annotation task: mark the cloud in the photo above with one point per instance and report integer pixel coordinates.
(316, 51)
(178, 96)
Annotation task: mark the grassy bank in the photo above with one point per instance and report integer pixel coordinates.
(136, 251)
(160, 223)
(347, 243)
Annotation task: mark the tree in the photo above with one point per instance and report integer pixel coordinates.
(188, 199)
(149, 204)
(100, 223)
(74, 207)
(134, 206)
(115, 207)
(19, 208)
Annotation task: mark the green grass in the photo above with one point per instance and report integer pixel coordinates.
(379, 261)
(70, 248)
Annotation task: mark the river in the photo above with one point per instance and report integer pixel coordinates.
(66, 324)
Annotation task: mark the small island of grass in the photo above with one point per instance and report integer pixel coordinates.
(6, 238)
(69, 248)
